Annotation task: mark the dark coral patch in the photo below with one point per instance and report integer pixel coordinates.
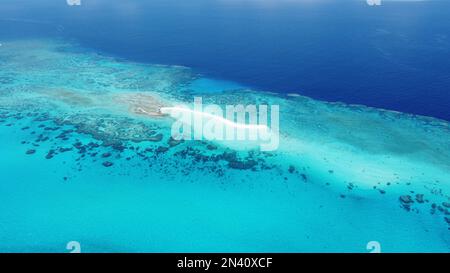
(50, 154)
(242, 165)
(406, 201)
(107, 164)
(304, 177)
(161, 149)
(419, 198)
(173, 142)
(291, 169)
(211, 147)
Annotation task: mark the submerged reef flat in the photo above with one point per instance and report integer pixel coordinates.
(88, 128)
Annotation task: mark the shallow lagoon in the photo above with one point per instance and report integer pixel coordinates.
(79, 163)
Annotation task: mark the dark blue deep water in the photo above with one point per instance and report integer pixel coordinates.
(394, 56)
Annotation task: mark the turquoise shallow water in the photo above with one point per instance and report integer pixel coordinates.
(340, 178)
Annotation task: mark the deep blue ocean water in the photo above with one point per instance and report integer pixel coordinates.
(394, 56)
